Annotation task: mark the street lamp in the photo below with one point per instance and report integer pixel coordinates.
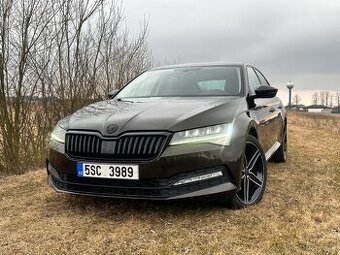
(290, 86)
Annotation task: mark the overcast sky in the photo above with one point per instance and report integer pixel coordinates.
(288, 40)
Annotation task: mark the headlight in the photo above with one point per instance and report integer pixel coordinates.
(58, 134)
(218, 134)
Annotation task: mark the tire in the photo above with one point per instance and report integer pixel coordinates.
(254, 173)
(281, 153)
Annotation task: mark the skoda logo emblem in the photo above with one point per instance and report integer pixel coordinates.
(111, 128)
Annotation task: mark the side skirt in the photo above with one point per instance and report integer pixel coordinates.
(272, 150)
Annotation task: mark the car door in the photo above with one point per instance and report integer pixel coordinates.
(261, 112)
(275, 110)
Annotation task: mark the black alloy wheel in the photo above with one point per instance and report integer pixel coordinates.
(254, 176)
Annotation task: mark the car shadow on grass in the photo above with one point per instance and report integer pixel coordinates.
(109, 206)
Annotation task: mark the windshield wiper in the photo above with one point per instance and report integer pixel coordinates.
(124, 100)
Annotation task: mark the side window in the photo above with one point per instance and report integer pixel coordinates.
(253, 80)
(261, 77)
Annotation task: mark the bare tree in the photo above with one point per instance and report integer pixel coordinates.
(23, 25)
(331, 97)
(315, 98)
(337, 98)
(327, 98)
(56, 56)
(322, 96)
(297, 99)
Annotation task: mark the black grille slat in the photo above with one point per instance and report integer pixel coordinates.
(140, 145)
(69, 143)
(123, 145)
(146, 144)
(114, 147)
(135, 145)
(76, 144)
(126, 140)
(129, 146)
(88, 144)
(93, 144)
(126, 147)
(119, 145)
(158, 144)
(80, 143)
(151, 145)
(84, 140)
(98, 146)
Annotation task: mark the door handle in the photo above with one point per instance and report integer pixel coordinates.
(272, 109)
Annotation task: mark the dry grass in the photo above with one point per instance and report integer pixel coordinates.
(316, 120)
(300, 213)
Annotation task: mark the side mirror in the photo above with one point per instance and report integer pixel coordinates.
(112, 93)
(265, 91)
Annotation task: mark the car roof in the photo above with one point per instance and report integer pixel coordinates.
(198, 65)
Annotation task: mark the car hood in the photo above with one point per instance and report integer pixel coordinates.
(161, 114)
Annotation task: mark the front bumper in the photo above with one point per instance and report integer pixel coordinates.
(159, 189)
(157, 177)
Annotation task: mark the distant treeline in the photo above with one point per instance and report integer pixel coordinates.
(326, 98)
(55, 57)
(322, 98)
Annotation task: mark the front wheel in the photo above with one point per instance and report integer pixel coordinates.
(254, 176)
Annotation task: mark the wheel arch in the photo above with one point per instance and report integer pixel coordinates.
(253, 132)
(252, 129)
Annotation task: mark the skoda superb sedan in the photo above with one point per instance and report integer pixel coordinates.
(174, 132)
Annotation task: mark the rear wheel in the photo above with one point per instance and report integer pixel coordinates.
(254, 176)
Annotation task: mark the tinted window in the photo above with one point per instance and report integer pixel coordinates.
(253, 80)
(193, 81)
(261, 77)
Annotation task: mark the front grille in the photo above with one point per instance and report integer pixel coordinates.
(80, 145)
(139, 147)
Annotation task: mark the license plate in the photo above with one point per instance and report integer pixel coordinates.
(108, 171)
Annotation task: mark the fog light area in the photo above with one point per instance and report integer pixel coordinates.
(199, 178)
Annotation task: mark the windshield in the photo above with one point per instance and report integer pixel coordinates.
(186, 82)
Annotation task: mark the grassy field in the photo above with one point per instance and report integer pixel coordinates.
(300, 213)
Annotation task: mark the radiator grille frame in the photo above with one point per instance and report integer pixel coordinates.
(137, 146)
